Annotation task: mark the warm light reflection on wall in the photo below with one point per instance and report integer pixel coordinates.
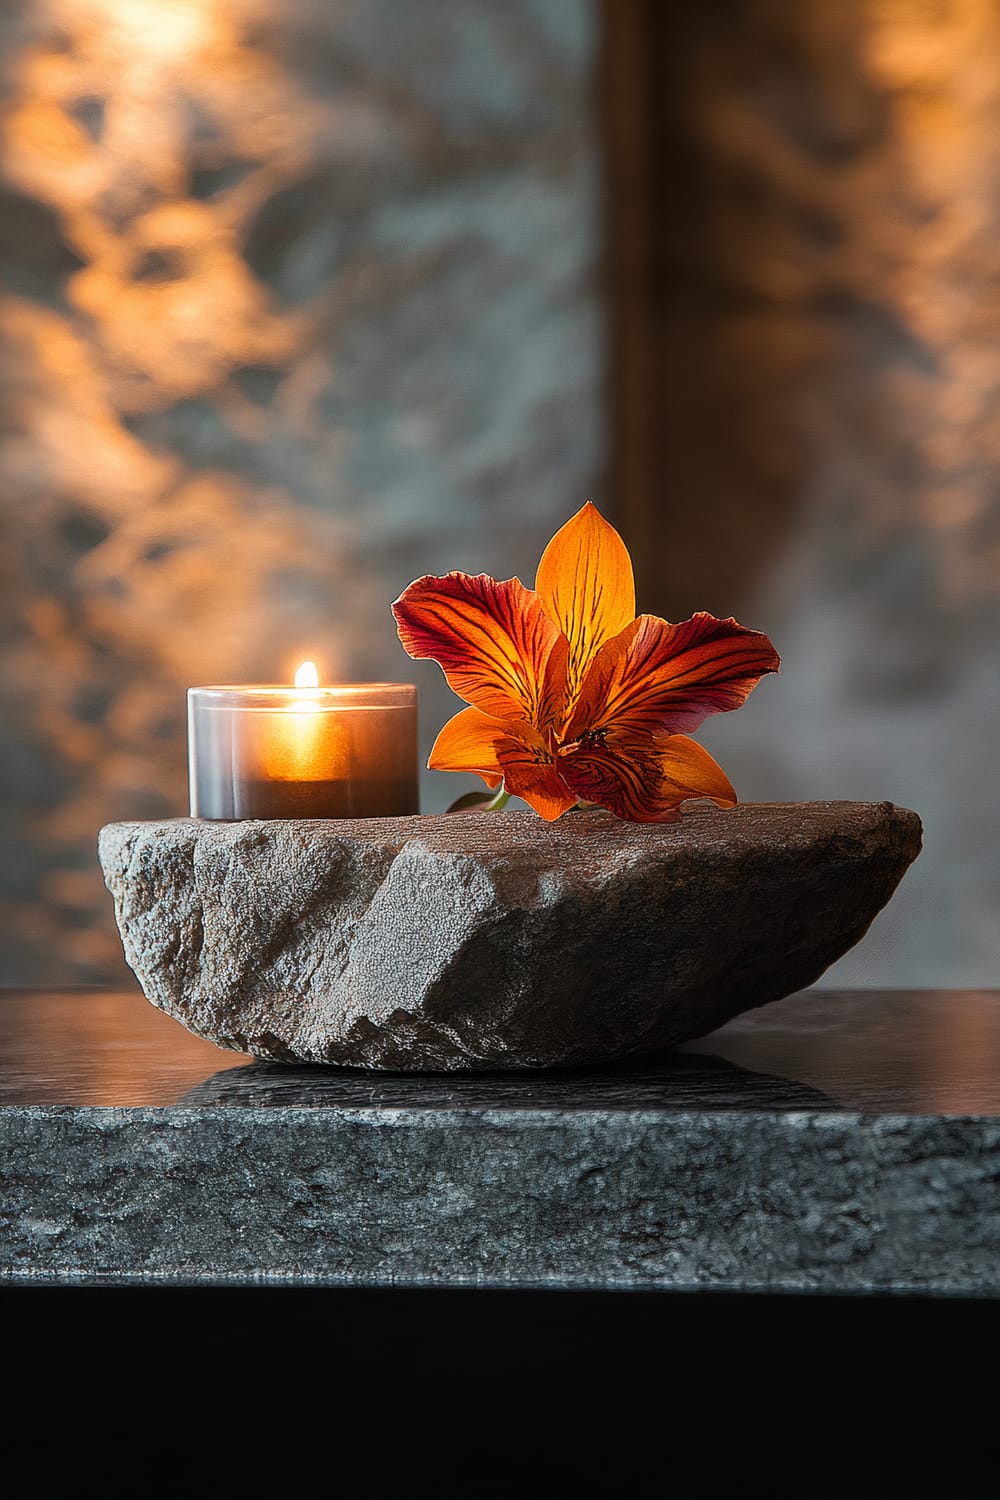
(149, 134)
(290, 293)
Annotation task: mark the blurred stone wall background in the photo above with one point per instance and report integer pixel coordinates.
(298, 303)
(824, 370)
(301, 300)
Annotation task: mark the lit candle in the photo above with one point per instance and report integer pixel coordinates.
(345, 751)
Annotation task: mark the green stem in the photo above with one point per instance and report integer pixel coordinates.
(499, 801)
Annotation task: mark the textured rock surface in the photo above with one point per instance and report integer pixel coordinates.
(470, 941)
(452, 1197)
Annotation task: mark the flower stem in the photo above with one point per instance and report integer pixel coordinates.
(499, 801)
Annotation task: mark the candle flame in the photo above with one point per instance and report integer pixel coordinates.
(307, 676)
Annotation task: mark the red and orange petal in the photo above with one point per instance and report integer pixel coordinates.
(503, 750)
(585, 581)
(643, 777)
(494, 641)
(530, 772)
(468, 742)
(689, 771)
(655, 676)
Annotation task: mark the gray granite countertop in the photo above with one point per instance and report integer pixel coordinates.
(832, 1142)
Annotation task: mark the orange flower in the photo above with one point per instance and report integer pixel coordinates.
(572, 698)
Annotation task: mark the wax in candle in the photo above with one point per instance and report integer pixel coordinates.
(347, 751)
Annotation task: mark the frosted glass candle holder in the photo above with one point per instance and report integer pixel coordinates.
(265, 751)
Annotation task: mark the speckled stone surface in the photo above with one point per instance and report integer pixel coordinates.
(479, 942)
(582, 1199)
(864, 1159)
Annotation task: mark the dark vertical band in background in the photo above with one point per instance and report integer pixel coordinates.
(706, 370)
(627, 73)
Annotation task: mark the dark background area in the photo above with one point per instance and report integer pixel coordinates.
(460, 1393)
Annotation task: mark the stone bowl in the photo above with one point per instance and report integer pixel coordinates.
(494, 941)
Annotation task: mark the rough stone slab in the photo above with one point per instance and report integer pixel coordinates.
(474, 941)
(727, 1201)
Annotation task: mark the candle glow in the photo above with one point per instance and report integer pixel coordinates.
(293, 745)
